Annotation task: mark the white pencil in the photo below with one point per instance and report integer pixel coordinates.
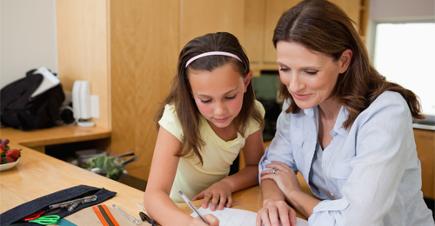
(189, 203)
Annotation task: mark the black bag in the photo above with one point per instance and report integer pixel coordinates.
(19, 110)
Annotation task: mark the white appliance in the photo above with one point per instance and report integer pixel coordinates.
(85, 106)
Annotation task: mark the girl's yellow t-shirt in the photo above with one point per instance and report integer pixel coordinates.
(217, 154)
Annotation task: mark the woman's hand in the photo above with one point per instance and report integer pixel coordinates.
(212, 221)
(283, 176)
(276, 213)
(218, 195)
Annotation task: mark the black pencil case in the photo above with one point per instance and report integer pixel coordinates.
(16, 215)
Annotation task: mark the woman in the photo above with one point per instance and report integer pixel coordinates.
(345, 128)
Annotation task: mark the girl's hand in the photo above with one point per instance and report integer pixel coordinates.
(218, 195)
(212, 220)
(276, 213)
(283, 176)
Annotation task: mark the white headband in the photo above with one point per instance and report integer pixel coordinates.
(212, 53)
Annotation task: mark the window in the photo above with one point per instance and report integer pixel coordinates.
(405, 54)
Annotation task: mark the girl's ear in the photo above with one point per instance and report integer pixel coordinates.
(247, 80)
(344, 61)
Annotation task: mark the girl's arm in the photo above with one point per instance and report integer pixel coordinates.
(218, 195)
(163, 168)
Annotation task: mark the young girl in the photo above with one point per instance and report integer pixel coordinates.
(209, 116)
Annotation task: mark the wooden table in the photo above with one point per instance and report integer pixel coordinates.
(38, 174)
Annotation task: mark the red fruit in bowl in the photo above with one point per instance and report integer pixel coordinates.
(13, 154)
(9, 159)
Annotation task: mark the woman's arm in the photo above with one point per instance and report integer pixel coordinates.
(163, 169)
(275, 210)
(287, 182)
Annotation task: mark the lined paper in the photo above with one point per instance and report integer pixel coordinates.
(238, 217)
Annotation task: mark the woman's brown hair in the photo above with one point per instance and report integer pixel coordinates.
(321, 26)
(181, 94)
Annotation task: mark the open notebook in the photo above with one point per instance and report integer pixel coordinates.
(238, 217)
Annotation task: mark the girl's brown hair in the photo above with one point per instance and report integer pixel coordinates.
(323, 27)
(181, 94)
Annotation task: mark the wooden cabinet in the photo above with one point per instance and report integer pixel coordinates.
(254, 30)
(144, 37)
(274, 10)
(425, 141)
(260, 20)
(82, 49)
(352, 9)
(198, 17)
(128, 51)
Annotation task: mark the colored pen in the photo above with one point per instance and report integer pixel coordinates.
(189, 203)
(146, 218)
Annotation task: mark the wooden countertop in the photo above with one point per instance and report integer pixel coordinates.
(55, 135)
(38, 174)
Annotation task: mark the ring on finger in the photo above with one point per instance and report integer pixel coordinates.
(274, 170)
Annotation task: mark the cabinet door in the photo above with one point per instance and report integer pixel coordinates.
(352, 8)
(198, 17)
(425, 141)
(254, 30)
(274, 10)
(82, 49)
(144, 50)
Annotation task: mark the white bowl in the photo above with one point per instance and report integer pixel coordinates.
(9, 165)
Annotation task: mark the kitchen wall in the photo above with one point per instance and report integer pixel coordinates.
(27, 37)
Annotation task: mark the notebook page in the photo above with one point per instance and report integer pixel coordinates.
(238, 217)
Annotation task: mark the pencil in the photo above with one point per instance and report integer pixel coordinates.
(189, 203)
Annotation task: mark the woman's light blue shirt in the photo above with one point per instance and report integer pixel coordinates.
(371, 173)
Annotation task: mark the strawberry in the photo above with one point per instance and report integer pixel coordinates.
(13, 154)
(9, 159)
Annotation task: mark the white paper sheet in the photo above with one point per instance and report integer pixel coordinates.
(238, 217)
